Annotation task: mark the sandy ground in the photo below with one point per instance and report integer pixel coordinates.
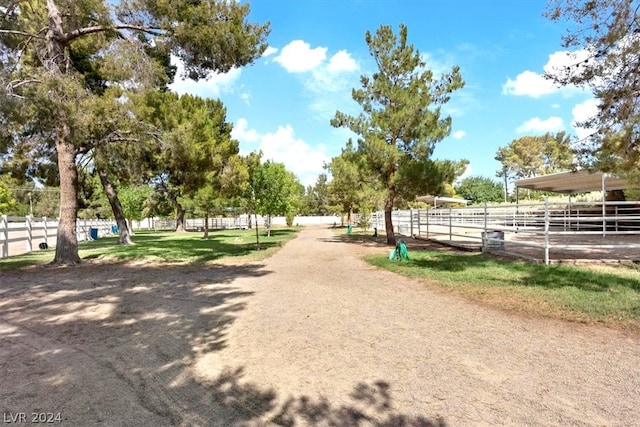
(313, 336)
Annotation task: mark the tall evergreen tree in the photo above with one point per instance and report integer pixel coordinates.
(401, 119)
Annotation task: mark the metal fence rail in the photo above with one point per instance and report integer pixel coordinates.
(548, 227)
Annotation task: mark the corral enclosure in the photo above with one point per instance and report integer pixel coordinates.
(544, 232)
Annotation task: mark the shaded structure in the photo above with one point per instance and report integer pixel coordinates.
(574, 182)
(441, 201)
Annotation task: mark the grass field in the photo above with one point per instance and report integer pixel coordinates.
(171, 247)
(585, 294)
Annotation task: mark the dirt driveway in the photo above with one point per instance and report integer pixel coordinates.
(314, 336)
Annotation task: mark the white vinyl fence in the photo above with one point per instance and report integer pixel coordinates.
(547, 227)
(20, 235)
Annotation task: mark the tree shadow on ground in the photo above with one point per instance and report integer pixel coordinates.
(127, 344)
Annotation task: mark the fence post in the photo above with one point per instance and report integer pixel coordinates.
(27, 226)
(4, 227)
(428, 215)
(411, 222)
(484, 235)
(45, 230)
(616, 218)
(546, 230)
(450, 226)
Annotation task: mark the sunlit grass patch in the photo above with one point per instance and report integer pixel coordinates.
(572, 292)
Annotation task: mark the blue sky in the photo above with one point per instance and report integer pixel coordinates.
(282, 104)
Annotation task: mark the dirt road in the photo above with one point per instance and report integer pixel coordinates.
(314, 336)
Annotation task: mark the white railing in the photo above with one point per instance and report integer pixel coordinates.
(19, 235)
(545, 226)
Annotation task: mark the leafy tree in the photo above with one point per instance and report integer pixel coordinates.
(535, 155)
(401, 120)
(221, 190)
(7, 201)
(479, 189)
(276, 190)
(134, 200)
(317, 197)
(608, 63)
(52, 49)
(195, 145)
(348, 176)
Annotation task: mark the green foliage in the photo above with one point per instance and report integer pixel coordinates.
(536, 155)
(61, 58)
(134, 200)
(317, 198)
(289, 218)
(401, 120)
(7, 202)
(479, 189)
(605, 32)
(275, 189)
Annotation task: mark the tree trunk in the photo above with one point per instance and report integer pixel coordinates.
(124, 238)
(388, 224)
(257, 234)
(206, 225)
(67, 240)
(388, 208)
(268, 225)
(179, 218)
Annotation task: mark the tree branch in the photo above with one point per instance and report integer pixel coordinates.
(23, 33)
(101, 28)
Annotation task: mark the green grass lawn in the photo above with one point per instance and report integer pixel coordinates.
(586, 294)
(171, 247)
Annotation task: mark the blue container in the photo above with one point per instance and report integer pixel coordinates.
(114, 229)
(93, 232)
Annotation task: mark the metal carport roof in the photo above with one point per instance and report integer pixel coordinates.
(574, 182)
(440, 199)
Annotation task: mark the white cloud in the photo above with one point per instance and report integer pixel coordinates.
(552, 124)
(297, 56)
(533, 84)
(211, 87)
(459, 134)
(530, 84)
(242, 134)
(342, 61)
(582, 112)
(269, 51)
(304, 160)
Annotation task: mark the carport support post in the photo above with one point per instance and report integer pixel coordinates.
(546, 230)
